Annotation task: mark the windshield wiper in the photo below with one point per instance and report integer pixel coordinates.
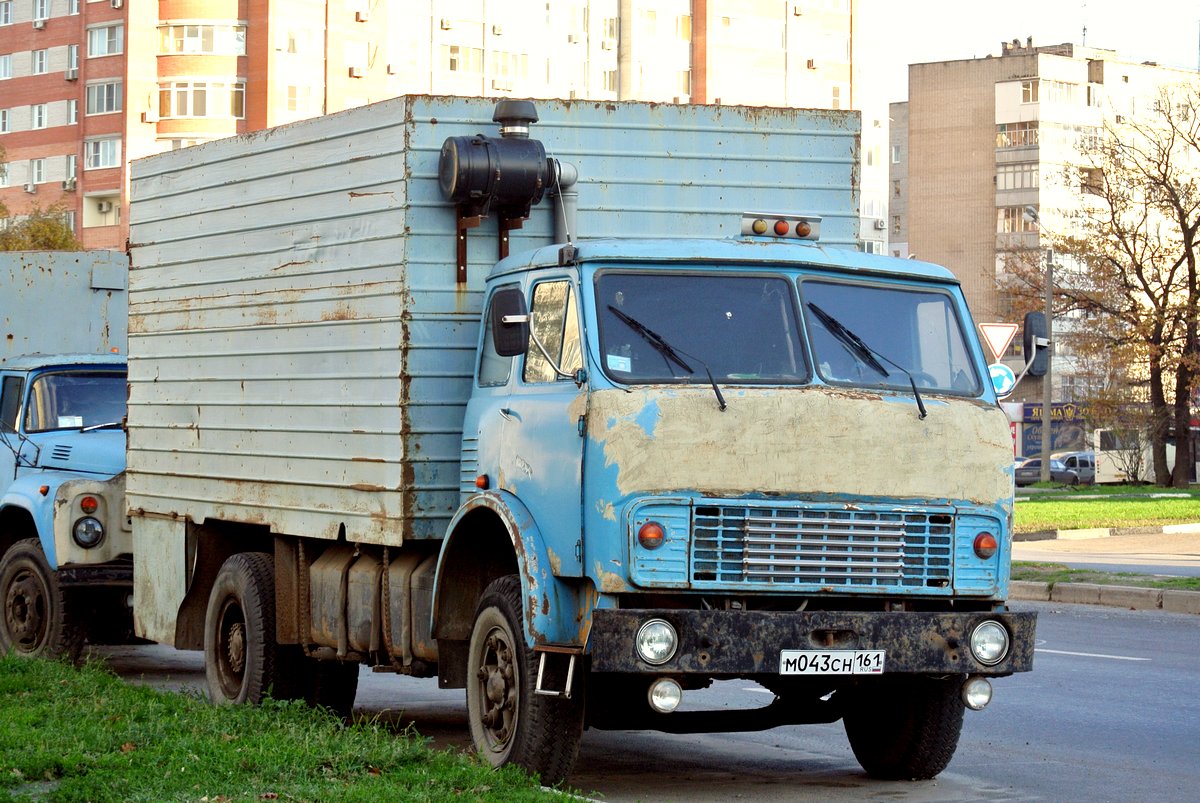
(865, 353)
(109, 425)
(667, 350)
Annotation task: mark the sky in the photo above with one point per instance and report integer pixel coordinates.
(897, 33)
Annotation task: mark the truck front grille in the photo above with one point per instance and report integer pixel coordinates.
(821, 546)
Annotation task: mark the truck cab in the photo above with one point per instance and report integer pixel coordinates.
(65, 544)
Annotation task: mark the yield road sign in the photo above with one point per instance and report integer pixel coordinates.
(998, 336)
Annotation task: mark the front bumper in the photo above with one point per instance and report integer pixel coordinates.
(740, 643)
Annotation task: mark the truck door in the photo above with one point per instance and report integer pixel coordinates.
(11, 387)
(542, 449)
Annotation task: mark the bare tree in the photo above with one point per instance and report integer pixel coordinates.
(1129, 260)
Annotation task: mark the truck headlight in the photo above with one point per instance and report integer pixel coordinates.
(88, 532)
(656, 641)
(989, 643)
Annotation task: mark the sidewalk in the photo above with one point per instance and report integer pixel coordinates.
(1179, 544)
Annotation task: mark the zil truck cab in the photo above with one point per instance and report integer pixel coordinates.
(66, 569)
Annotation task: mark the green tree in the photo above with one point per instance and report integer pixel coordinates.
(38, 229)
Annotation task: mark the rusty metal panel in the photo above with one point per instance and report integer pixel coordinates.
(83, 292)
(301, 351)
(159, 578)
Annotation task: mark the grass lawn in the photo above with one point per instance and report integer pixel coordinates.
(1053, 573)
(1106, 506)
(71, 734)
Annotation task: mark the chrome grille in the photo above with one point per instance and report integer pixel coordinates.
(821, 546)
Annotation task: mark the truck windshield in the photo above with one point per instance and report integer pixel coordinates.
(76, 399)
(672, 327)
(908, 330)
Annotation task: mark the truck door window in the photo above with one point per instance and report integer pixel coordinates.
(494, 370)
(554, 318)
(915, 329)
(10, 402)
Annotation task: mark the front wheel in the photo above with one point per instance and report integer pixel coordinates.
(510, 723)
(905, 727)
(38, 618)
(240, 653)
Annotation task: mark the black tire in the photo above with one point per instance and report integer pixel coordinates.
(510, 724)
(241, 657)
(38, 616)
(905, 727)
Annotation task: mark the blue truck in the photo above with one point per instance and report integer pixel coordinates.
(66, 573)
(580, 423)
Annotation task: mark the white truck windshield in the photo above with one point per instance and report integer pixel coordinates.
(879, 336)
(657, 327)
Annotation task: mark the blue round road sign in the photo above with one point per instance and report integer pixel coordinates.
(1003, 378)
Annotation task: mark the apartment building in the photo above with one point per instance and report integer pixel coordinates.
(88, 85)
(980, 140)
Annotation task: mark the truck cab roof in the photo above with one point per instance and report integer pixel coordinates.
(668, 253)
(34, 362)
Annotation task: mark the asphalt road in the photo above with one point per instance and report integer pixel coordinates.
(1110, 712)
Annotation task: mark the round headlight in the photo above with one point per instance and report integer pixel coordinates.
(977, 693)
(88, 532)
(989, 643)
(665, 695)
(656, 642)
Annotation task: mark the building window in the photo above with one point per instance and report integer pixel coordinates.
(462, 59)
(896, 187)
(227, 40)
(202, 99)
(98, 153)
(683, 27)
(72, 6)
(72, 57)
(6, 66)
(38, 115)
(72, 111)
(836, 100)
(37, 171)
(40, 61)
(683, 82)
(3, 175)
(610, 80)
(1012, 220)
(1017, 135)
(895, 224)
(612, 28)
(4, 123)
(5, 12)
(298, 98)
(107, 40)
(104, 98)
(1021, 176)
(1029, 91)
(895, 154)
(41, 9)
(69, 167)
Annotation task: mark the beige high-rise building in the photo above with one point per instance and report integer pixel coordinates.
(87, 85)
(980, 140)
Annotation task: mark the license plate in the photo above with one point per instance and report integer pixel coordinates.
(831, 662)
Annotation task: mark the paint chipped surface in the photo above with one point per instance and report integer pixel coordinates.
(813, 440)
(607, 510)
(610, 582)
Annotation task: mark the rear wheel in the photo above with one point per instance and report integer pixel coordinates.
(240, 654)
(38, 616)
(905, 727)
(510, 723)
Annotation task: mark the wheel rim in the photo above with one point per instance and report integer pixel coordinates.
(231, 648)
(499, 682)
(25, 606)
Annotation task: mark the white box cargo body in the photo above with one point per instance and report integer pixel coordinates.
(301, 353)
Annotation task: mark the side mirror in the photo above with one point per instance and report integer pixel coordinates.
(510, 322)
(1035, 343)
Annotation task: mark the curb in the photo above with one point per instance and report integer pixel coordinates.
(1105, 532)
(1151, 599)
